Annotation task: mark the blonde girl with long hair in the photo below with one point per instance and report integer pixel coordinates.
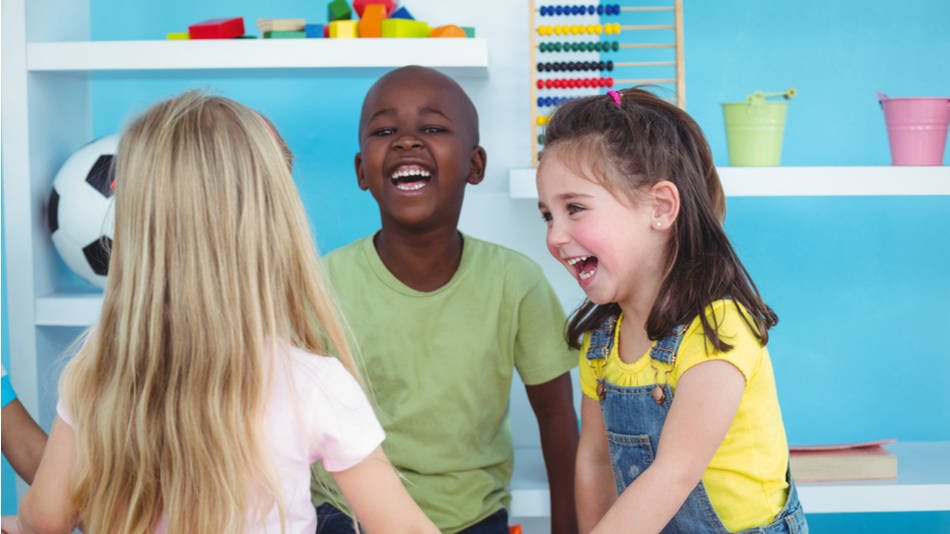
(201, 397)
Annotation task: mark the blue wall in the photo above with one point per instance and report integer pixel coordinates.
(859, 283)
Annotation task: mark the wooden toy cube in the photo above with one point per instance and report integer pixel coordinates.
(223, 28)
(314, 31)
(370, 23)
(404, 28)
(401, 13)
(360, 6)
(338, 10)
(344, 29)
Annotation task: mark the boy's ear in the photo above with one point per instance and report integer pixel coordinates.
(358, 166)
(476, 172)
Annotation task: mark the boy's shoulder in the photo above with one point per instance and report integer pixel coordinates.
(494, 258)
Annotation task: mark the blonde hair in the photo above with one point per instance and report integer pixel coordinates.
(213, 267)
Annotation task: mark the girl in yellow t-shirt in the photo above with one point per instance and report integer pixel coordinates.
(681, 428)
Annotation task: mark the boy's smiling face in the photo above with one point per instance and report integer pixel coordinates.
(418, 148)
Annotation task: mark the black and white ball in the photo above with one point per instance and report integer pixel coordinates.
(81, 218)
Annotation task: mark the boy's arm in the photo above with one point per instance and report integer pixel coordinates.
(554, 408)
(594, 486)
(378, 498)
(707, 398)
(46, 507)
(23, 440)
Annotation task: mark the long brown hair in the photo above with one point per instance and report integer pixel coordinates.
(644, 140)
(213, 272)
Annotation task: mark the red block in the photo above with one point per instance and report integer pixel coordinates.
(360, 5)
(217, 29)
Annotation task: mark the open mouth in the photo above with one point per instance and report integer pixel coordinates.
(410, 177)
(584, 266)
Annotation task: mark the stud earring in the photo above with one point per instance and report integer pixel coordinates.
(658, 224)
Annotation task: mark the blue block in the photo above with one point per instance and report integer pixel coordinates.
(314, 31)
(402, 13)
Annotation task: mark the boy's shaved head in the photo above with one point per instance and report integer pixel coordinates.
(467, 116)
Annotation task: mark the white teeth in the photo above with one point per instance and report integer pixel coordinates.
(412, 171)
(410, 187)
(585, 276)
(572, 261)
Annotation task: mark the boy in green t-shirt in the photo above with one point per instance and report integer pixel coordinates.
(442, 319)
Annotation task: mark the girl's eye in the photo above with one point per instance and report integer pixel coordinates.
(574, 208)
(545, 216)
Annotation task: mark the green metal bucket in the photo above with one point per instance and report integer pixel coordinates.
(754, 129)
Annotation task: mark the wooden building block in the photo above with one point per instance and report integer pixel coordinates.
(284, 35)
(338, 10)
(450, 30)
(371, 21)
(344, 29)
(314, 31)
(402, 13)
(177, 36)
(360, 6)
(281, 25)
(469, 31)
(217, 28)
(404, 28)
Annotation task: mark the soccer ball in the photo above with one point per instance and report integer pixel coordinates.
(80, 214)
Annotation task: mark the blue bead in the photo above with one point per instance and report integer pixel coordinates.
(558, 10)
(591, 10)
(544, 11)
(616, 9)
(600, 10)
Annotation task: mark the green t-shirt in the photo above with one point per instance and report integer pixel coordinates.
(439, 367)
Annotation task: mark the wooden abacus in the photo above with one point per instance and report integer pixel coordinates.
(575, 35)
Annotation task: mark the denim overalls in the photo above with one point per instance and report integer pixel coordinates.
(634, 418)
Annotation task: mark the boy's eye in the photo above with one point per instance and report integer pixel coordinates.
(433, 129)
(383, 132)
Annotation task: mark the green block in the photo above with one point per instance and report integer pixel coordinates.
(404, 28)
(338, 10)
(247, 37)
(285, 35)
(469, 31)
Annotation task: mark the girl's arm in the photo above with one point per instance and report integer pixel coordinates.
(23, 440)
(594, 486)
(378, 498)
(46, 507)
(557, 421)
(706, 400)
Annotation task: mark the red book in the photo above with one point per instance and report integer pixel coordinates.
(217, 29)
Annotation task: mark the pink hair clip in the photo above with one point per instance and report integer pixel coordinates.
(615, 95)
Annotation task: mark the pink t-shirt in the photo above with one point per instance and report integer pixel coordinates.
(317, 412)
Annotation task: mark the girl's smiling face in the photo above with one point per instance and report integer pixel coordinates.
(612, 246)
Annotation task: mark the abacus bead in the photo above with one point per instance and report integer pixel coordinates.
(600, 65)
(615, 46)
(544, 11)
(558, 10)
(541, 47)
(610, 82)
(610, 66)
(548, 84)
(540, 67)
(600, 10)
(540, 84)
(540, 138)
(591, 10)
(540, 101)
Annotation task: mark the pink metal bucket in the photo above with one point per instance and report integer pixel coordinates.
(916, 129)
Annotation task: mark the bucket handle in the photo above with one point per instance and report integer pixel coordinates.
(881, 97)
(760, 96)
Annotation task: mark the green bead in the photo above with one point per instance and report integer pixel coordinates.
(543, 47)
(603, 47)
(540, 138)
(615, 46)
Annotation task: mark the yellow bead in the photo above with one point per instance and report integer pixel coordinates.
(558, 29)
(591, 29)
(542, 120)
(598, 29)
(616, 27)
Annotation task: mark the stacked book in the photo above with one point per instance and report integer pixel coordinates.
(846, 461)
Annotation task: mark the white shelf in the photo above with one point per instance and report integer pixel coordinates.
(922, 484)
(465, 57)
(802, 181)
(81, 309)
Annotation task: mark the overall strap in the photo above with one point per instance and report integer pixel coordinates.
(664, 350)
(602, 339)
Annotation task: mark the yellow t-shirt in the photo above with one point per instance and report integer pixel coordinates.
(746, 478)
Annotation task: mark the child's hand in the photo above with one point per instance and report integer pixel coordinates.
(10, 524)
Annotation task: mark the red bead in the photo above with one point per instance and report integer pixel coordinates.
(610, 82)
(540, 84)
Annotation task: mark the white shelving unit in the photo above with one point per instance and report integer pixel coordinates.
(801, 181)
(48, 63)
(922, 484)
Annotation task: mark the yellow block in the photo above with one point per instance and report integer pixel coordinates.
(177, 36)
(404, 28)
(344, 29)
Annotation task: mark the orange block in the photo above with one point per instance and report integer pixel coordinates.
(514, 529)
(372, 20)
(450, 30)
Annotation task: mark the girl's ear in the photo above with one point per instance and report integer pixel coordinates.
(666, 204)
